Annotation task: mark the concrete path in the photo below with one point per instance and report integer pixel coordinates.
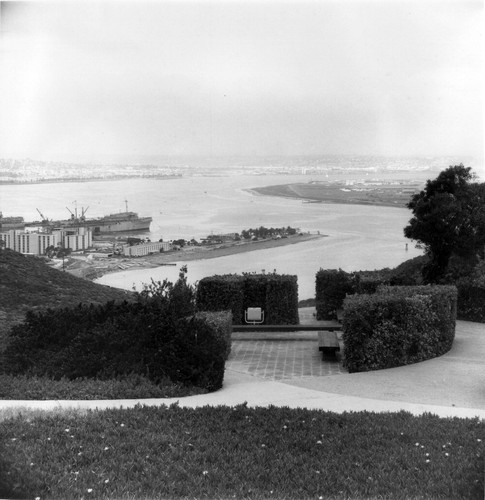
(449, 386)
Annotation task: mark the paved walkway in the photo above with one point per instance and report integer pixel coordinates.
(281, 359)
(286, 373)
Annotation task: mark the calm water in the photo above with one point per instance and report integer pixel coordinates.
(359, 237)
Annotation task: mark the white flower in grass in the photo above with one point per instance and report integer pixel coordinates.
(106, 481)
(428, 461)
(80, 453)
(90, 490)
(205, 472)
(427, 454)
(14, 439)
(447, 454)
(479, 440)
(122, 425)
(263, 446)
(67, 430)
(37, 498)
(319, 442)
(106, 448)
(417, 444)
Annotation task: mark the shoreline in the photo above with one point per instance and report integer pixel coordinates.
(389, 196)
(95, 269)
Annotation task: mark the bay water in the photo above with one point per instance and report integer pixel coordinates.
(357, 237)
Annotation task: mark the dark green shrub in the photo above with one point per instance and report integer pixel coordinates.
(147, 337)
(332, 286)
(410, 272)
(194, 355)
(370, 281)
(471, 295)
(471, 301)
(221, 323)
(398, 326)
(222, 293)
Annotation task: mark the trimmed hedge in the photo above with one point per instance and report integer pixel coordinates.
(331, 287)
(282, 300)
(398, 326)
(222, 293)
(221, 323)
(107, 341)
(276, 294)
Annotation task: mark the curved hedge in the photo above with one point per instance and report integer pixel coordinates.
(398, 326)
(107, 341)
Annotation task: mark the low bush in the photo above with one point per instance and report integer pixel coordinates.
(471, 295)
(398, 326)
(147, 338)
(410, 272)
(471, 301)
(370, 281)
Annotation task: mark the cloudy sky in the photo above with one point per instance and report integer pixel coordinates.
(240, 78)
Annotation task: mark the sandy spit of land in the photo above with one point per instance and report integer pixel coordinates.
(92, 269)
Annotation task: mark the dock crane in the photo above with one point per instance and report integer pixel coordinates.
(44, 218)
(83, 212)
(74, 216)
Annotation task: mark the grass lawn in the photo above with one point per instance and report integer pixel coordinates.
(126, 387)
(240, 452)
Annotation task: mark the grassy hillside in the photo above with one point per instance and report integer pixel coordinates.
(29, 283)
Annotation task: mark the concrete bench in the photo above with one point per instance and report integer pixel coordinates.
(334, 327)
(329, 343)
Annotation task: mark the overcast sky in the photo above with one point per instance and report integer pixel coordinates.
(241, 78)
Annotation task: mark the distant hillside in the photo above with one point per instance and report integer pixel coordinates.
(29, 283)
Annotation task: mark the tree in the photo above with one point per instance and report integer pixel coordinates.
(449, 219)
(62, 253)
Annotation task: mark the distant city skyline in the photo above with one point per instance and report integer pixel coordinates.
(231, 78)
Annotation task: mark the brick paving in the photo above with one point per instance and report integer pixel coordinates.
(278, 358)
(281, 359)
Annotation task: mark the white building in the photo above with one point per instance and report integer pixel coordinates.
(36, 243)
(146, 248)
(79, 238)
